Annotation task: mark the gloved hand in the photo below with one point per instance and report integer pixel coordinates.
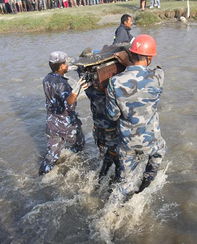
(81, 85)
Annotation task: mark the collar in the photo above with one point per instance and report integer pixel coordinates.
(135, 68)
(58, 75)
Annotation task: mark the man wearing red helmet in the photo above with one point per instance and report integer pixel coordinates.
(132, 99)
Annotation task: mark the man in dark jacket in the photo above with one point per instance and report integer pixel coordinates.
(122, 33)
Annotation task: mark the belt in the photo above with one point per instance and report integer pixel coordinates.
(105, 129)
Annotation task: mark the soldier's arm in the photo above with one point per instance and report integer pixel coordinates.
(79, 86)
(66, 94)
(112, 109)
(72, 98)
(159, 75)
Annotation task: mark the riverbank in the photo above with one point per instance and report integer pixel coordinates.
(92, 17)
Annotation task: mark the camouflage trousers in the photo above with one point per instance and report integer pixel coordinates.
(107, 142)
(137, 166)
(73, 139)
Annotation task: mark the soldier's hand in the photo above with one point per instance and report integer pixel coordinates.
(123, 58)
(80, 85)
(83, 84)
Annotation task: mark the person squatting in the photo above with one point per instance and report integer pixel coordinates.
(126, 122)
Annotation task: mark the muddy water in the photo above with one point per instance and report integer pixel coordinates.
(63, 206)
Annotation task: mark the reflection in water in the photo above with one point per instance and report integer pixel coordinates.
(64, 206)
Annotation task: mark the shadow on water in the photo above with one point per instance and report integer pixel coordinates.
(31, 111)
(4, 234)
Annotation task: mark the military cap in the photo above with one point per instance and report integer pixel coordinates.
(58, 57)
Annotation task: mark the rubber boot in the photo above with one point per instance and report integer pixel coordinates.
(145, 183)
(107, 162)
(118, 169)
(45, 167)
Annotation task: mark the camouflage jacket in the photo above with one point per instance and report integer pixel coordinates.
(60, 115)
(97, 104)
(132, 99)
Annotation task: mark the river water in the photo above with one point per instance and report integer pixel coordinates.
(63, 206)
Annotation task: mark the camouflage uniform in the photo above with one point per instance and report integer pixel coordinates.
(63, 128)
(132, 98)
(104, 131)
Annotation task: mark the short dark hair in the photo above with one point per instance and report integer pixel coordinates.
(55, 67)
(125, 17)
(134, 57)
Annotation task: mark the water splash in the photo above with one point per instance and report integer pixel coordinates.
(128, 217)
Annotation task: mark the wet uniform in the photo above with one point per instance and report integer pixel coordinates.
(104, 131)
(132, 98)
(63, 128)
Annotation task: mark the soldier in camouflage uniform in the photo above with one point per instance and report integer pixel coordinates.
(63, 126)
(104, 132)
(132, 100)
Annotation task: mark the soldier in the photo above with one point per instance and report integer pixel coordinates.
(63, 126)
(104, 131)
(132, 100)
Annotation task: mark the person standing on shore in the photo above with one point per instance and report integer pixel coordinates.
(122, 33)
(142, 4)
(63, 128)
(155, 3)
(132, 100)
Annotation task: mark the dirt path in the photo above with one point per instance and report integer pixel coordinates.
(115, 18)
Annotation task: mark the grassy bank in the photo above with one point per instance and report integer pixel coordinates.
(91, 17)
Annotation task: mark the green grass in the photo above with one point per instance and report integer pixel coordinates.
(146, 17)
(54, 22)
(86, 18)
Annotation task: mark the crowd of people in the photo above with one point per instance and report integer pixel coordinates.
(15, 6)
(124, 112)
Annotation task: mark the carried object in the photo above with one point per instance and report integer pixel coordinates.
(97, 68)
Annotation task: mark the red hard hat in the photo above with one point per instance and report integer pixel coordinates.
(144, 45)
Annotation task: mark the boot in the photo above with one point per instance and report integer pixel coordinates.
(45, 167)
(107, 162)
(145, 183)
(118, 169)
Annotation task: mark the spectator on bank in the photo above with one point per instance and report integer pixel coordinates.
(155, 3)
(13, 6)
(2, 7)
(65, 3)
(142, 4)
(19, 6)
(7, 6)
(72, 3)
(122, 33)
(24, 5)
